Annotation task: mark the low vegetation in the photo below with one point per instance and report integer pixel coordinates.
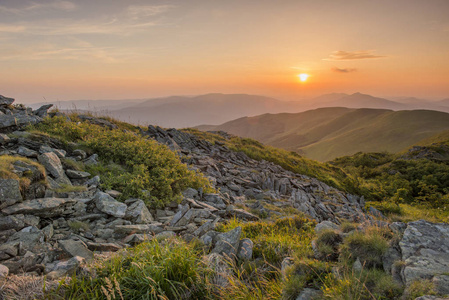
(130, 163)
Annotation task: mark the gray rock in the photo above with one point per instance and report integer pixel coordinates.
(92, 160)
(14, 121)
(357, 266)
(425, 250)
(76, 248)
(114, 194)
(30, 238)
(309, 294)
(228, 242)
(24, 151)
(108, 247)
(79, 153)
(5, 101)
(245, 251)
(9, 192)
(4, 271)
(109, 205)
(183, 209)
(139, 213)
(392, 255)
(190, 193)
(215, 200)
(142, 228)
(376, 213)
(326, 225)
(94, 181)
(4, 139)
(73, 174)
(11, 222)
(441, 283)
(68, 266)
(46, 149)
(42, 111)
(44, 207)
(242, 215)
(53, 165)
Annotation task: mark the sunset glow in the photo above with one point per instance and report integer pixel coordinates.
(303, 77)
(112, 49)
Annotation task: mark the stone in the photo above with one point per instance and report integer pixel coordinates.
(130, 229)
(24, 151)
(68, 266)
(53, 165)
(14, 121)
(79, 153)
(4, 271)
(114, 194)
(245, 251)
(44, 207)
(228, 242)
(94, 181)
(76, 248)
(392, 255)
(357, 266)
(9, 192)
(309, 294)
(326, 225)
(73, 174)
(441, 283)
(183, 209)
(92, 160)
(42, 111)
(190, 193)
(46, 149)
(109, 247)
(214, 200)
(139, 213)
(5, 101)
(425, 250)
(376, 213)
(11, 222)
(4, 139)
(109, 205)
(242, 215)
(30, 238)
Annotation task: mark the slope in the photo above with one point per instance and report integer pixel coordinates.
(326, 133)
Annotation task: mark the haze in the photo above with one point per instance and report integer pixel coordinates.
(110, 49)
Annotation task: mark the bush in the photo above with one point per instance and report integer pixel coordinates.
(327, 244)
(149, 171)
(368, 246)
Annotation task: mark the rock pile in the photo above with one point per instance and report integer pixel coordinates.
(240, 177)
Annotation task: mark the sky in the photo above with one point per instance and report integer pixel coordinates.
(113, 49)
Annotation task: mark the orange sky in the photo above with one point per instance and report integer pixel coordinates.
(112, 49)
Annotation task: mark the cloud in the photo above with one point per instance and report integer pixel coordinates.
(33, 7)
(343, 70)
(352, 55)
(144, 11)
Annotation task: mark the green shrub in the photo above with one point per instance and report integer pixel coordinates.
(150, 171)
(368, 246)
(327, 244)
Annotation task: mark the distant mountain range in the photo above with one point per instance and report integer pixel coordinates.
(327, 133)
(214, 109)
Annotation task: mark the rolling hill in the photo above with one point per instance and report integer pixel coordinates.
(327, 133)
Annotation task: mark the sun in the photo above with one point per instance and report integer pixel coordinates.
(303, 76)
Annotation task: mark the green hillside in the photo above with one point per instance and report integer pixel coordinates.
(326, 133)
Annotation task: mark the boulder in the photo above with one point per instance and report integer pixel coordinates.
(13, 121)
(24, 151)
(9, 192)
(326, 225)
(441, 283)
(30, 238)
(73, 174)
(425, 250)
(42, 111)
(228, 242)
(5, 101)
(138, 212)
(109, 205)
(76, 248)
(44, 207)
(66, 266)
(245, 251)
(53, 165)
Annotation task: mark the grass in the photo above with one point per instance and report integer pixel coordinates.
(7, 168)
(146, 169)
(152, 270)
(67, 188)
(77, 225)
(408, 212)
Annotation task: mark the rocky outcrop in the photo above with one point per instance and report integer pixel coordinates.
(240, 177)
(425, 250)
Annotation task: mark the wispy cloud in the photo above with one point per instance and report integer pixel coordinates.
(343, 70)
(144, 11)
(352, 55)
(34, 6)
